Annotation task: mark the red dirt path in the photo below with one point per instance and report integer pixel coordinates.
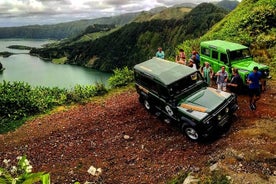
(68, 142)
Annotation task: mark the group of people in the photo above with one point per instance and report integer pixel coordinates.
(235, 85)
(193, 61)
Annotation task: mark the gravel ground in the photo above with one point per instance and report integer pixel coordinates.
(130, 145)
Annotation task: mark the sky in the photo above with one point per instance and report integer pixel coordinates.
(30, 12)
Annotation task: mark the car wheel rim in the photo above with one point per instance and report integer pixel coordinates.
(191, 133)
(147, 105)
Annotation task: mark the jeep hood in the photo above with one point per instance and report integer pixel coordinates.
(248, 65)
(203, 102)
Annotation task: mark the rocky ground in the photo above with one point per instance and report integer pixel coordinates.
(130, 145)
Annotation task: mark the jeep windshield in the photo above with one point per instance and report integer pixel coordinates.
(185, 84)
(239, 54)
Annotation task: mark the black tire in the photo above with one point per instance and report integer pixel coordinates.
(191, 133)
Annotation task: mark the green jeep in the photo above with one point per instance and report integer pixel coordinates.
(181, 95)
(231, 55)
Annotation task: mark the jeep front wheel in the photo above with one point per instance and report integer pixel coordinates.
(191, 133)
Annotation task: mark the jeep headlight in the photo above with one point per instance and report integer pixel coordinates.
(219, 117)
(227, 109)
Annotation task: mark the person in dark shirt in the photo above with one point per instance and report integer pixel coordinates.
(236, 84)
(254, 87)
(195, 56)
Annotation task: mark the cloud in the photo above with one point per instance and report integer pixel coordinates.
(27, 12)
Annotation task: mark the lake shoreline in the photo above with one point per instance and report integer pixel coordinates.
(23, 67)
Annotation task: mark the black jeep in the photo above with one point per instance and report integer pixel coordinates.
(180, 94)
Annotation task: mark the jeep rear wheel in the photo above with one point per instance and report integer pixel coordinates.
(191, 133)
(147, 105)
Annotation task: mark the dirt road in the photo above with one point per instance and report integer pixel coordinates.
(133, 146)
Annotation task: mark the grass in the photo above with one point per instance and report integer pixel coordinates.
(60, 60)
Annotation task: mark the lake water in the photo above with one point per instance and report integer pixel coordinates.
(26, 68)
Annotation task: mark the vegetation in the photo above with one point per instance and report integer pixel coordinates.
(228, 4)
(163, 14)
(6, 54)
(19, 100)
(252, 23)
(137, 41)
(62, 30)
(121, 77)
(22, 173)
(19, 47)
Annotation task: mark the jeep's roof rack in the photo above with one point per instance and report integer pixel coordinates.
(164, 71)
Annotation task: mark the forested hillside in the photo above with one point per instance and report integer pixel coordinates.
(252, 23)
(62, 30)
(176, 12)
(228, 4)
(137, 41)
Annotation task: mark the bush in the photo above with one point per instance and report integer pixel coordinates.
(21, 173)
(121, 77)
(19, 100)
(82, 93)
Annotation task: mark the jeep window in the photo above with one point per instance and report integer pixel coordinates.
(223, 58)
(239, 54)
(186, 83)
(215, 55)
(151, 85)
(147, 83)
(163, 92)
(205, 51)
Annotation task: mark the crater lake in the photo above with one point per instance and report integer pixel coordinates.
(36, 72)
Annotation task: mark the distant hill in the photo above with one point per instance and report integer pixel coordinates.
(137, 41)
(228, 4)
(62, 30)
(175, 12)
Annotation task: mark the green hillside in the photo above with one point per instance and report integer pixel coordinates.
(164, 14)
(137, 41)
(252, 23)
(228, 4)
(62, 30)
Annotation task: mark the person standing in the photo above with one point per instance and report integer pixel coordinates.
(160, 53)
(181, 57)
(192, 64)
(195, 56)
(236, 83)
(253, 80)
(207, 73)
(222, 77)
(182, 54)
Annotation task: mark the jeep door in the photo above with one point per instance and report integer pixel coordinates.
(165, 102)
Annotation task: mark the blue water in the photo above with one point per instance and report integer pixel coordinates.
(26, 68)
